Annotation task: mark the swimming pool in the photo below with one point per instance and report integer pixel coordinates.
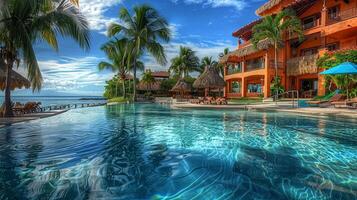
(148, 151)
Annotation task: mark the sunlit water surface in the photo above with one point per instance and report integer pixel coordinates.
(150, 151)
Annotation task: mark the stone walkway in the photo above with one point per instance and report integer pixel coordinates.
(276, 108)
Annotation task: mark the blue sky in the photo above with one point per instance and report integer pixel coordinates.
(204, 25)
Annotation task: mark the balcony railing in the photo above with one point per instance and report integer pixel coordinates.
(231, 71)
(342, 15)
(255, 64)
(302, 65)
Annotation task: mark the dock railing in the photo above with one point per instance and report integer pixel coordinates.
(69, 106)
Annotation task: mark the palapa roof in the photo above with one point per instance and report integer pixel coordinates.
(155, 86)
(298, 5)
(160, 74)
(181, 85)
(17, 80)
(246, 31)
(247, 50)
(210, 78)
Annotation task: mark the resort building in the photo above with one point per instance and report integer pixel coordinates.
(329, 25)
(159, 76)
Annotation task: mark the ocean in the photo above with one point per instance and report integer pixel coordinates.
(56, 100)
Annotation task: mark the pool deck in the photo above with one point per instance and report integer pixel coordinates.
(272, 107)
(29, 117)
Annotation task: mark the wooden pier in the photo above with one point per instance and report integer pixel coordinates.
(70, 106)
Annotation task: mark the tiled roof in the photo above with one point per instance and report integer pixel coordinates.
(161, 74)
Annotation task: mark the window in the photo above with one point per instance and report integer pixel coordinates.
(235, 87)
(254, 88)
(333, 13)
(333, 46)
(308, 52)
(310, 22)
(255, 64)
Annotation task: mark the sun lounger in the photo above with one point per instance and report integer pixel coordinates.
(209, 100)
(347, 103)
(326, 103)
(221, 101)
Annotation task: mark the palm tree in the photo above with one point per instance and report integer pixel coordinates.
(22, 23)
(273, 28)
(185, 62)
(221, 66)
(148, 79)
(144, 28)
(207, 61)
(117, 53)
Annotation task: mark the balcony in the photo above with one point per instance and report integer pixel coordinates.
(255, 64)
(341, 16)
(302, 65)
(231, 71)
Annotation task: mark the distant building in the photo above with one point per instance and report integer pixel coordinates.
(329, 25)
(159, 76)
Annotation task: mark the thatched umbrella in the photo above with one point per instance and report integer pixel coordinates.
(209, 79)
(182, 87)
(17, 80)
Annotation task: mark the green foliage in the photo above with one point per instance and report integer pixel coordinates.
(112, 88)
(343, 82)
(276, 87)
(22, 23)
(185, 62)
(145, 28)
(273, 27)
(329, 60)
(118, 100)
(167, 85)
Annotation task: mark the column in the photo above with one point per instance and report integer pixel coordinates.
(324, 14)
(266, 77)
(244, 87)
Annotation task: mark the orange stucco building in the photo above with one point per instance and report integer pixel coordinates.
(329, 25)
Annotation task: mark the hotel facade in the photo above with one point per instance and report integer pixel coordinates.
(329, 26)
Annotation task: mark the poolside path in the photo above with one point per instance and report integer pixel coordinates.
(272, 107)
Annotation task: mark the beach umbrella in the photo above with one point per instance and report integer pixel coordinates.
(17, 80)
(209, 79)
(181, 86)
(345, 68)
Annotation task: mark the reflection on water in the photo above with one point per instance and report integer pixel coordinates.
(152, 152)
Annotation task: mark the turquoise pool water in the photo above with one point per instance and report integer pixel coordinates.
(147, 151)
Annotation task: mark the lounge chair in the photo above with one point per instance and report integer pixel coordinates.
(326, 103)
(209, 100)
(194, 101)
(221, 101)
(347, 103)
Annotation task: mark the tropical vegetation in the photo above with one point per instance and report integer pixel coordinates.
(272, 28)
(23, 23)
(346, 83)
(144, 28)
(148, 79)
(118, 52)
(185, 63)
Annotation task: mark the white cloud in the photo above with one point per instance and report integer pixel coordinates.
(71, 74)
(94, 11)
(202, 49)
(237, 4)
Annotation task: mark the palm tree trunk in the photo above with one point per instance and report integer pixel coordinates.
(276, 70)
(134, 83)
(7, 108)
(124, 92)
(116, 88)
